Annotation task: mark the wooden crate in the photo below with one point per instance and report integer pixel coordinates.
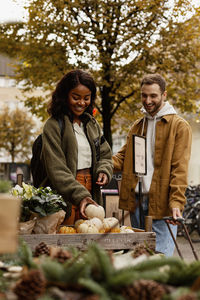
(109, 241)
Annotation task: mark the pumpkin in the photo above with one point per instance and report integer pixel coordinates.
(67, 230)
(78, 222)
(95, 221)
(92, 211)
(87, 228)
(126, 229)
(115, 230)
(110, 223)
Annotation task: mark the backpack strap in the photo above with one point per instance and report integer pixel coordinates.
(61, 125)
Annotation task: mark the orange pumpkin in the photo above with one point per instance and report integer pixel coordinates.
(67, 230)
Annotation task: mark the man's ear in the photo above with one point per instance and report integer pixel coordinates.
(165, 95)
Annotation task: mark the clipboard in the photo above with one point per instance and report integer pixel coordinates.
(139, 155)
(140, 168)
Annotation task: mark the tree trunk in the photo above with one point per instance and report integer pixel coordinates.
(107, 129)
(106, 113)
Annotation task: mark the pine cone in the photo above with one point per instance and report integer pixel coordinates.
(139, 250)
(31, 285)
(144, 290)
(62, 255)
(42, 249)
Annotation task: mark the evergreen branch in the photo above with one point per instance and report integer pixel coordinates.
(26, 256)
(103, 260)
(94, 287)
(152, 264)
(53, 271)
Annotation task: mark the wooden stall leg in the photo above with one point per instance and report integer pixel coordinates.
(148, 223)
(19, 179)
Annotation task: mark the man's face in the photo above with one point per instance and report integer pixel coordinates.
(152, 98)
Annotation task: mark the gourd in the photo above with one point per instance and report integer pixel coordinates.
(92, 211)
(115, 230)
(78, 222)
(126, 229)
(87, 228)
(109, 223)
(67, 229)
(95, 221)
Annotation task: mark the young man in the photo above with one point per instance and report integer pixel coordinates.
(168, 138)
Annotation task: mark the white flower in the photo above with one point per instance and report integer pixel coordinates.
(17, 191)
(28, 189)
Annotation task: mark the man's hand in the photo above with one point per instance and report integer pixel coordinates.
(102, 179)
(175, 214)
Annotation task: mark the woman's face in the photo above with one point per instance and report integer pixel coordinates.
(79, 99)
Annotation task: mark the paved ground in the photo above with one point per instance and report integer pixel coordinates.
(186, 249)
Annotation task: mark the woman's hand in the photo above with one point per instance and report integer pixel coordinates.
(102, 179)
(84, 203)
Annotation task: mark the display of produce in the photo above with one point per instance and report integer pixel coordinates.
(95, 225)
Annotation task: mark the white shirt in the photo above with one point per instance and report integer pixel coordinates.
(84, 150)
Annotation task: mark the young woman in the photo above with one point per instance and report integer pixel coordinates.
(77, 157)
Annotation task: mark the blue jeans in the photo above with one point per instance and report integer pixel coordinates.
(164, 241)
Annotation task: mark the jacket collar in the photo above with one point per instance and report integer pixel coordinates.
(165, 118)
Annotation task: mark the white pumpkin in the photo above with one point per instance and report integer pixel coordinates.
(95, 221)
(109, 223)
(126, 229)
(92, 211)
(87, 228)
(78, 222)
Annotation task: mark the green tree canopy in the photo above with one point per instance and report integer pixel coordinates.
(116, 40)
(16, 133)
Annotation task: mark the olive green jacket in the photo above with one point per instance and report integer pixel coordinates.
(169, 180)
(60, 155)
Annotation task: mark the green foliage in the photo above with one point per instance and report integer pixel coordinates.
(46, 297)
(178, 293)
(102, 268)
(185, 275)
(156, 263)
(4, 284)
(80, 271)
(117, 41)
(5, 186)
(25, 255)
(53, 271)
(43, 201)
(95, 287)
(16, 133)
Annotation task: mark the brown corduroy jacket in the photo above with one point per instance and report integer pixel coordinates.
(169, 180)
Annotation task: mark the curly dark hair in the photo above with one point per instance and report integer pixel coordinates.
(58, 104)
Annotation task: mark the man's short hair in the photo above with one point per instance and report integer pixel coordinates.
(154, 78)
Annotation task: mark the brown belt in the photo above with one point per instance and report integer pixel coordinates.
(86, 171)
